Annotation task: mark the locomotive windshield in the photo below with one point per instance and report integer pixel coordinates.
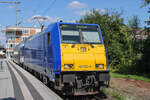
(80, 34)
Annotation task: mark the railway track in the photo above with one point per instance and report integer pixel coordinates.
(100, 96)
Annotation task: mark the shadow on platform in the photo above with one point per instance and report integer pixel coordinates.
(8, 98)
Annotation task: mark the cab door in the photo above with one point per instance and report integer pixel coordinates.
(48, 56)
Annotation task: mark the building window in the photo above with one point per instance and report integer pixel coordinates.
(10, 32)
(24, 38)
(11, 38)
(10, 45)
(25, 31)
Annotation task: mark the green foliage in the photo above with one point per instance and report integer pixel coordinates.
(134, 22)
(114, 93)
(146, 2)
(135, 77)
(144, 65)
(116, 38)
(134, 26)
(117, 96)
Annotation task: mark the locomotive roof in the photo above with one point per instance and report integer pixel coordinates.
(77, 23)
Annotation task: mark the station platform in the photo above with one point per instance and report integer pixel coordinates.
(17, 84)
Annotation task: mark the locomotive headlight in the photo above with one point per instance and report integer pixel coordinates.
(101, 66)
(66, 66)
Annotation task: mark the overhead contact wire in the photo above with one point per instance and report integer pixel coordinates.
(50, 7)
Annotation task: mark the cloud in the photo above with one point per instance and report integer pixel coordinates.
(71, 21)
(77, 5)
(84, 12)
(56, 19)
(42, 19)
(102, 10)
(11, 7)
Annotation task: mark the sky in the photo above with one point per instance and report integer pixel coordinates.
(66, 10)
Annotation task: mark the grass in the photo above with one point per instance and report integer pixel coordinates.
(115, 94)
(135, 77)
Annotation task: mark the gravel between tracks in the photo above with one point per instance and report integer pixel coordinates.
(131, 89)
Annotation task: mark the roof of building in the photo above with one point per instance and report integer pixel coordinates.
(18, 28)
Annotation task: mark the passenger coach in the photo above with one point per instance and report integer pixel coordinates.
(70, 56)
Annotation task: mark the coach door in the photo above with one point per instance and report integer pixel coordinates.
(47, 53)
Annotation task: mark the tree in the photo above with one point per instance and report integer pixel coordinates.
(144, 66)
(146, 2)
(134, 22)
(116, 37)
(134, 26)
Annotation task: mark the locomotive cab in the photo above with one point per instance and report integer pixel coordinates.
(84, 66)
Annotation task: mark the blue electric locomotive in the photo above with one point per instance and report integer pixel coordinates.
(69, 56)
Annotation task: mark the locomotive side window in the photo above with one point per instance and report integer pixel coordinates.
(48, 38)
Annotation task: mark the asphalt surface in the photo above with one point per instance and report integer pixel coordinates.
(18, 84)
(17, 91)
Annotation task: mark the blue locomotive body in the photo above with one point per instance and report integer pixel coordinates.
(42, 52)
(65, 64)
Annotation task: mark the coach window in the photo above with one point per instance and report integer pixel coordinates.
(48, 38)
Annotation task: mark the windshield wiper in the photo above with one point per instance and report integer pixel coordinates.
(81, 36)
(73, 46)
(92, 46)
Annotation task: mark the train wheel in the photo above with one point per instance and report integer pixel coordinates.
(41, 77)
(45, 80)
(23, 66)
